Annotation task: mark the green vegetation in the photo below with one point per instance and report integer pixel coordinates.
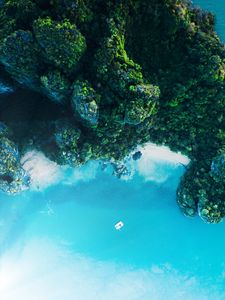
(123, 81)
(66, 139)
(56, 86)
(18, 53)
(23, 12)
(77, 11)
(125, 73)
(85, 102)
(13, 178)
(62, 43)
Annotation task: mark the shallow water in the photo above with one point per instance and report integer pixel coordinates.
(72, 224)
(59, 241)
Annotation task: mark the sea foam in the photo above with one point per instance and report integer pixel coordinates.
(43, 172)
(157, 164)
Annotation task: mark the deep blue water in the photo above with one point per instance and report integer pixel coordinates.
(59, 242)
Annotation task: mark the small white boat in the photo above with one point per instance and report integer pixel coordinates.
(119, 225)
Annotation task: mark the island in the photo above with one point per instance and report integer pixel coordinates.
(88, 80)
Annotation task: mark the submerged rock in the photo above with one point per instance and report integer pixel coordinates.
(121, 171)
(137, 155)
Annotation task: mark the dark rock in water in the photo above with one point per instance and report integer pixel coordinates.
(121, 170)
(6, 178)
(104, 165)
(137, 155)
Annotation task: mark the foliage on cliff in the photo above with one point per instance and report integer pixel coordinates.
(124, 73)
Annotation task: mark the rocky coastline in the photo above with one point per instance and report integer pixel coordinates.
(84, 80)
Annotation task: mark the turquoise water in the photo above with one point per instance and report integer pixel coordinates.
(218, 8)
(58, 241)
